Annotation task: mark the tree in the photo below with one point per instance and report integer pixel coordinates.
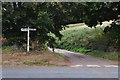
(18, 15)
(52, 18)
(96, 13)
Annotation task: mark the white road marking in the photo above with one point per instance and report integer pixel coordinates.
(77, 66)
(93, 66)
(111, 65)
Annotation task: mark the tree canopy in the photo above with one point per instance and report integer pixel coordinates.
(52, 17)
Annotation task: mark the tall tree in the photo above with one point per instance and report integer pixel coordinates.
(52, 18)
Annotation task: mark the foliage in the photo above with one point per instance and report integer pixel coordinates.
(83, 39)
(82, 50)
(28, 15)
(113, 34)
(98, 12)
(51, 18)
(90, 41)
(113, 56)
(7, 48)
(87, 38)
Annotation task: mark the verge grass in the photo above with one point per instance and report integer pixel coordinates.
(12, 58)
(38, 62)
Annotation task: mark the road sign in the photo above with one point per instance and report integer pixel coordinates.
(28, 35)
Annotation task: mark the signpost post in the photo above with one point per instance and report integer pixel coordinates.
(28, 35)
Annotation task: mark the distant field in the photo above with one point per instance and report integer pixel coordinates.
(83, 25)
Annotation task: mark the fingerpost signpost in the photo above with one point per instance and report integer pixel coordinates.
(28, 35)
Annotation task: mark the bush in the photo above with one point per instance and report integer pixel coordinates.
(113, 56)
(87, 40)
(7, 48)
(83, 38)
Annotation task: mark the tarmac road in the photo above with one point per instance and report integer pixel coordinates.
(60, 72)
(85, 60)
(82, 66)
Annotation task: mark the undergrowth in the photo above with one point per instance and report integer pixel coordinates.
(90, 41)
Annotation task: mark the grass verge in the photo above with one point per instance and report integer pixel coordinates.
(11, 58)
(38, 62)
(105, 55)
